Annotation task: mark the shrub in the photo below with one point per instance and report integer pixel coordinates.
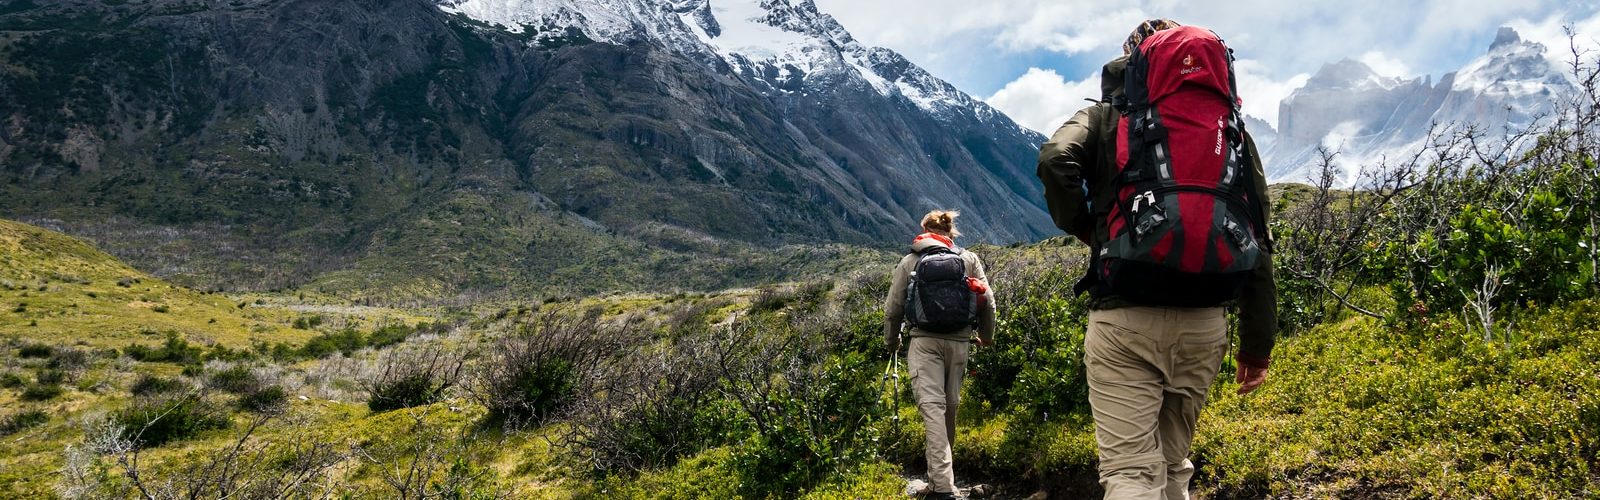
(163, 419)
(770, 299)
(11, 380)
(41, 392)
(235, 379)
(809, 403)
(150, 385)
(308, 322)
(392, 334)
(174, 350)
(652, 408)
(530, 375)
(12, 424)
(346, 341)
(1037, 362)
(69, 359)
(34, 351)
(412, 377)
(51, 376)
(266, 400)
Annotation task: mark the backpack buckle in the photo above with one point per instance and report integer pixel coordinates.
(1238, 235)
(1147, 224)
(1147, 198)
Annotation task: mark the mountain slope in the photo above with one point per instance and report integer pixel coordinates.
(59, 289)
(1365, 117)
(275, 143)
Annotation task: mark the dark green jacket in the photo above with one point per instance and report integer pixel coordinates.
(1083, 151)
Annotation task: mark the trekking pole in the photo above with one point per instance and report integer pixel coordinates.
(891, 377)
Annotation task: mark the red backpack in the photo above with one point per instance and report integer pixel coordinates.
(1183, 230)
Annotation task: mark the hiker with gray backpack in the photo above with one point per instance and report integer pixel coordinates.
(941, 298)
(1162, 182)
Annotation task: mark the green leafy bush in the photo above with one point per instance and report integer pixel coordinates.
(413, 389)
(412, 376)
(41, 392)
(34, 351)
(308, 322)
(68, 359)
(173, 350)
(235, 379)
(51, 376)
(529, 376)
(267, 399)
(155, 421)
(17, 422)
(11, 380)
(809, 404)
(346, 341)
(150, 385)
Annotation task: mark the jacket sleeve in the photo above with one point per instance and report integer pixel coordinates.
(986, 305)
(1062, 163)
(894, 305)
(1258, 311)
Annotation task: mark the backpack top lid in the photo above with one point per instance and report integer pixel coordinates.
(1186, 55)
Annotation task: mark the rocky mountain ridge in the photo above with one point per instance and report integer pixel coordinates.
(1366, 117)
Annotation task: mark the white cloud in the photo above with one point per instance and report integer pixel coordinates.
(1384, 65)
(1260, 92)
(914, 26)
(1068, 27)
(1284, 40)
(1550, 32)
(1428, 36)
(1042, 99)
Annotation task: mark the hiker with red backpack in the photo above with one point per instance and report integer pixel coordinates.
(941, 297)
(1161, 180)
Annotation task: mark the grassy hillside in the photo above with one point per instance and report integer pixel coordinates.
(518, 246)
(795, 404)
(59, 289)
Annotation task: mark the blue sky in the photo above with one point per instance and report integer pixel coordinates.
(1037, 59)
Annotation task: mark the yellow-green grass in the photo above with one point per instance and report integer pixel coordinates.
(58, 289)
(525, 464)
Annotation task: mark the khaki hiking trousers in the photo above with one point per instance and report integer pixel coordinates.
(1148, 370)
(937, 368)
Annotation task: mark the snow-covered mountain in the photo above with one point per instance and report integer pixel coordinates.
(1365, 117)
(788, 46)
(440, 146)
(896, 139)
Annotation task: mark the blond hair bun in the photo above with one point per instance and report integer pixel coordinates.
(941, 222)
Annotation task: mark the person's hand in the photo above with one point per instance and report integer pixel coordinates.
(1250, 378)
(983, 342)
